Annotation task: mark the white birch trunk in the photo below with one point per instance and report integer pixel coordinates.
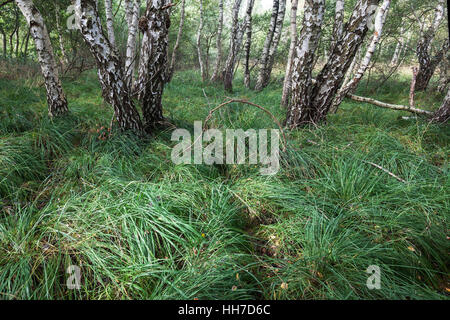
(132, 11)
(216, 73)
(171, 69)
(338, 26)
(110, 22)
(288, 75)
(57, 103)
(199, 45)
(248, 42)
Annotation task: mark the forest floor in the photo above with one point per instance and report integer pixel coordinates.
(141, 227)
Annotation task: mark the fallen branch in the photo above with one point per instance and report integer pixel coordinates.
(389, 106)
(385, 170)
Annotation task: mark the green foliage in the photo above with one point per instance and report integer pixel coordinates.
(141, 227)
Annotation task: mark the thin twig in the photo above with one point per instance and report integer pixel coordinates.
(385, 170)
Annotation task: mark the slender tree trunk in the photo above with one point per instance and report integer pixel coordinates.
(428, 64)
(398, 48)
(11, 37)
(303, 61)
(153, 64)
(199, 45)
(110, 68)
(4, 41)
(266, 69)
(110, 22)
(248, 42)
(17, 40)
(235, 43)
(216, 73)
(338, 26)
(288, 75)
(442, 115)
(57, 103)
(310, 104)
(351, 86)
(444, 76)
(64, 59)
(133, 10)
(27, 41)
(171, 70)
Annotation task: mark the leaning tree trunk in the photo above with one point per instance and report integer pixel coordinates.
(132, 10)
(428, 64)
(152, 69)
(248, 42)
(310, 104)
(199, 45)
(110, 22)
(110, 68)
(338, 26)
(235, 43)
(351, 86)
(442, 115)
(274, 35)
(216, 74)
(303, 61)
(288, 75)
(57, 103)
(171, 69)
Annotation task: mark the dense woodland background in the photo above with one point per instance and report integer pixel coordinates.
(361, 88)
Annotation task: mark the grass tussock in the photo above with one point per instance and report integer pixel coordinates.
(141, 227)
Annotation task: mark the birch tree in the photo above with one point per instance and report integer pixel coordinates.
(288, 75)
(427, 62)
(57, 102)
(132, 12)
(235, 43)
(442, 115)
(110, 67)
(153, 64)
(177, 42)
(378, 29)
(271, 44)
(216, 72)
(199, 45)
(248, 42)
(338, 26)
(110, 22)
(310, 103)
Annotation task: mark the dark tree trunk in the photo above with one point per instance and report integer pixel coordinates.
(152, 69)
(442, 115)
(110, 68)
(248, 42)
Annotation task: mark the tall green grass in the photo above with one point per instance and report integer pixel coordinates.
(141, 227)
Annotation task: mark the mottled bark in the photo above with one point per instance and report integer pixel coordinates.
(338, 26)
(235, 44)
(288, 75)
(444, 77)
(352, 84)
(110, 67)
(110, 22)
(310, 104)
(64, 59)
(216, 72)
(268, 60)
(199, 44)
(248, 42)
(57, 103)
(305, 51)
(442, 115)
(427, 63)
(177, 43)
(132, 12)
(152, 69)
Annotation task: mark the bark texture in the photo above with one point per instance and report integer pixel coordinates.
(110, 67)
(442, 115)
(271, 44)
(235, 44)
(199, 45)
(352, 84)
(216, 73)
(57, 102)
(110, 22)
(338, 26)
(132, 13)
(311, 103)
(288, 75)
(428, 63)
(152, 69)
(177, 43)
(248, 42)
